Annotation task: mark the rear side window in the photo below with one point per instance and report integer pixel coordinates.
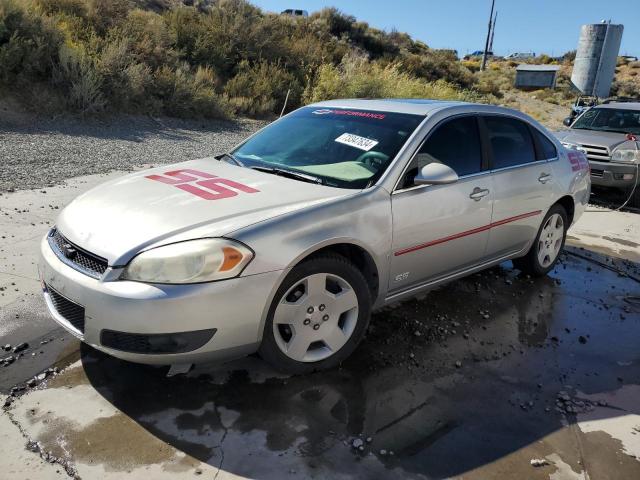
(457, 145)
(510, 141)
(546, 149)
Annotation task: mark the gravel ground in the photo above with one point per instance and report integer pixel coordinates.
(39, 152)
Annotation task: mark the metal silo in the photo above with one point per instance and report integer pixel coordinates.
(596, 57)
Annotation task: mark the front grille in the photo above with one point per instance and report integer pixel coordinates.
(596, 152)
(156, 343)
(597, 173)
(76, 257)
(70, 311)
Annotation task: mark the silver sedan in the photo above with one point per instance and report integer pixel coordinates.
(285, 244)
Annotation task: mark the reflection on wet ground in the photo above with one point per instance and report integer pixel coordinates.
(443, 384)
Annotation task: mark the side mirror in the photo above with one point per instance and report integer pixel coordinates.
(435, 174)
(567, 122)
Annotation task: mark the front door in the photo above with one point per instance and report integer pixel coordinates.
(440, 229)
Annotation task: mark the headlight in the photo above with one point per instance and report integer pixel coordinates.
(573, 146)
(625, 155)
(193, 261)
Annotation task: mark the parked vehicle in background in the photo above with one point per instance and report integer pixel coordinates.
(520, 56)
(477, 53)
(608, 134)
(582, 104)
(285, 244)
(295, 13)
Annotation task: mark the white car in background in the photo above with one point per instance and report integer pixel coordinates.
(285, 244)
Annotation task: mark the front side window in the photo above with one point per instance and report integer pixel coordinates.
(342, 147)
(510, 141)
(455, 144)
(609, 120)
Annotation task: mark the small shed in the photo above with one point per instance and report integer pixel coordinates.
(536, 76)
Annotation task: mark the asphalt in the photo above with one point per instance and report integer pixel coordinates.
(475, 380)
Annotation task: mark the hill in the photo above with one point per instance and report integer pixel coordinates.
(221, 58)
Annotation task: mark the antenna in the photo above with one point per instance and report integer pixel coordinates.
(486, 44)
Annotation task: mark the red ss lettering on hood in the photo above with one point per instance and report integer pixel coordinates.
(202, 184)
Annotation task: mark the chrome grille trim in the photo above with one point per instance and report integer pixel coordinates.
(83, 261)
(596, 152)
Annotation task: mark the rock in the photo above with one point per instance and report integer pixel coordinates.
(458, 364)
(538, 462)
(383, 452)
(582, 339)
(20, 347)
(357, 443)
(7, 402)
(369, 439)
(7, 347)
(32, 383)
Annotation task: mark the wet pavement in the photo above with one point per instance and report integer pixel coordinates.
(474, 379)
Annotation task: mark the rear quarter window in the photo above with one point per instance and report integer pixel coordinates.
(545, 148)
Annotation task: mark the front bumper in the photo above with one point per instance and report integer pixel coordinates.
(233, 309)
(616, 175)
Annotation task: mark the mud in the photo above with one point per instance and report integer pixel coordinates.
(463, 380)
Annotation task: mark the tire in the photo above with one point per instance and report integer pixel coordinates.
(318, 316)
(535, 262)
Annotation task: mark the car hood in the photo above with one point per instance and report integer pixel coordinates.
(195, 199)
(611, 140)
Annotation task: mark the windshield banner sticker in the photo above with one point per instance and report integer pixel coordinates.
(357, 141)
(351, 113)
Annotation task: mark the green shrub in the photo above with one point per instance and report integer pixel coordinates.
(261, 89)
(356, 77)
(29, 44)
(77, 75)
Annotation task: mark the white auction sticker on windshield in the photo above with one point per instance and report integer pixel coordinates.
(357, 141)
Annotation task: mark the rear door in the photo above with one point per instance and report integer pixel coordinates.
(439, 229)
(522, 182)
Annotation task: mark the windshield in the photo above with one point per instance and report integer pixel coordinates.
(342, 147)
(609, 120)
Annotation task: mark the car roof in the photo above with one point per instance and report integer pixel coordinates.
(416, 106)
(620, 105)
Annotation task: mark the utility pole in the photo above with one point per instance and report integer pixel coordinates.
(486, 44)
(493, 31)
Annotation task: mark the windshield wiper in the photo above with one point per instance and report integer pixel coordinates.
(232, 159)
(290, 174)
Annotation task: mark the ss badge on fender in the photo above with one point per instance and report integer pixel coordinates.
(202, 184)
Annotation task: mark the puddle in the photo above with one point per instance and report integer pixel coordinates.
(443, 384)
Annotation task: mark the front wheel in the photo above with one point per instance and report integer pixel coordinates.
(544, 253)
(318, 316)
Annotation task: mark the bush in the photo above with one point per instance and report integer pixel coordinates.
(261, 89)
(77, 75)
(29, 44)
(357, 77)
(183, 94)
(201, 57)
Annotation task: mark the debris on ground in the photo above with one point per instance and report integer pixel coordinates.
(539, 462)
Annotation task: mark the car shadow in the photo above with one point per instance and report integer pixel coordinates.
(443, 384)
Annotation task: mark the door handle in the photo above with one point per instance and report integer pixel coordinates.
(544, 177)
(478, 193)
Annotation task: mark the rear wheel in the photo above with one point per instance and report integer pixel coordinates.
(318, 316)
(544, 253)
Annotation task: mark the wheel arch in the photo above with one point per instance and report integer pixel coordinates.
(356, 254)
(568, 203)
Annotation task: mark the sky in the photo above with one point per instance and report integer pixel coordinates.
(540, 26)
